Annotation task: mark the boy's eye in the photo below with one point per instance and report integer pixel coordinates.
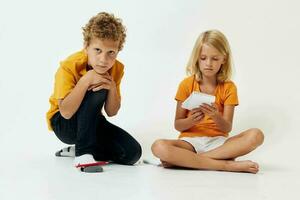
(97, 50)
(111, 53)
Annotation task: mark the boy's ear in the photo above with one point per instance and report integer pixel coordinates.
(85, 46)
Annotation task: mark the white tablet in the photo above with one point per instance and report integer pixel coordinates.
(196, 99)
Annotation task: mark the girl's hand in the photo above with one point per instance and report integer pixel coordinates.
(210, 110)
(195, 116)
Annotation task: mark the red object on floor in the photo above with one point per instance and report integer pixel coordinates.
(92, 164)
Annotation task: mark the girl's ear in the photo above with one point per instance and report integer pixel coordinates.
(224, 60)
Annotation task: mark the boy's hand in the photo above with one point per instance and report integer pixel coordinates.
(210, 110)
(104, 85)
(99, 81)
(195, 116)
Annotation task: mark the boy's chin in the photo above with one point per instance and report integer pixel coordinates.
(101, 71)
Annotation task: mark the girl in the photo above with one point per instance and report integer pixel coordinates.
(84, 83)
(203, 142)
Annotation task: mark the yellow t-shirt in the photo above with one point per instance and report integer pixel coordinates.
(69, 73)
(225, 93)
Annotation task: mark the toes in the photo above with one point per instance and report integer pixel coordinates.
(255, 165)
(254, 170)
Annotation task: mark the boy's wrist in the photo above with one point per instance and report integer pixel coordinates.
(113, 85)
(84, 82)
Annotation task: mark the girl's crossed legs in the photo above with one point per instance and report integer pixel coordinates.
(182, 154)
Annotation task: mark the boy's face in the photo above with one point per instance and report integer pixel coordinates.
(101, 54)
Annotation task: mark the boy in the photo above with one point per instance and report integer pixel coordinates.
(84, 83)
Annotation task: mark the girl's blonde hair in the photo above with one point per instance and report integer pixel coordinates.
(216, 39)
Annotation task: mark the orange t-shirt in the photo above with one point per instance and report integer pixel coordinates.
(225, 93)
(69, 73)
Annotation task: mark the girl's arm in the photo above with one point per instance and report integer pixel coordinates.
(184, 122)
(224, 122)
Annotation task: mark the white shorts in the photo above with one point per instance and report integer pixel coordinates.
(204, 144)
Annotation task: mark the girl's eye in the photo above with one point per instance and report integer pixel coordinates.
(216, 59)
(98, 50)
(202, 58)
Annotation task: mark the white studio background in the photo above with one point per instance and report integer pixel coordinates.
(264, 36)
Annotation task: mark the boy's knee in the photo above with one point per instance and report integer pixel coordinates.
(131, 160)
(136, 155)
(160, 148)
(94, 98)
(132, 156)
(255, 137)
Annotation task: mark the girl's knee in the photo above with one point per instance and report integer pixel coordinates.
(255, 137)
(160, 148)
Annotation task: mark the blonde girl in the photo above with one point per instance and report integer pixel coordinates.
(203, 142)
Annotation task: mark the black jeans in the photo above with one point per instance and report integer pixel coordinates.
(93, 134)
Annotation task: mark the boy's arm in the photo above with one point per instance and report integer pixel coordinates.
(70, 104)
(113, 101)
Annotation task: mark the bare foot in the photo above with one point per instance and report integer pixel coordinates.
(214, 157)
(166, 164)
(242, 166)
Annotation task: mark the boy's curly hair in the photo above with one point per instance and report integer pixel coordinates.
(105, 26)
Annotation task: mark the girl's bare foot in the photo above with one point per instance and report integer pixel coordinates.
(242, 166)
(166, 164)
(207, 155)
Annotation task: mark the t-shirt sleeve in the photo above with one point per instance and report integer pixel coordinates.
(64, 83)
(231, 97)
(182, 91)
(118, 82)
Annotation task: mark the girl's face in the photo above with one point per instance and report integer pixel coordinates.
(101, 54)
(210, 61)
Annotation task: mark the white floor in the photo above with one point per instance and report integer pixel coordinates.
(29, 170)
